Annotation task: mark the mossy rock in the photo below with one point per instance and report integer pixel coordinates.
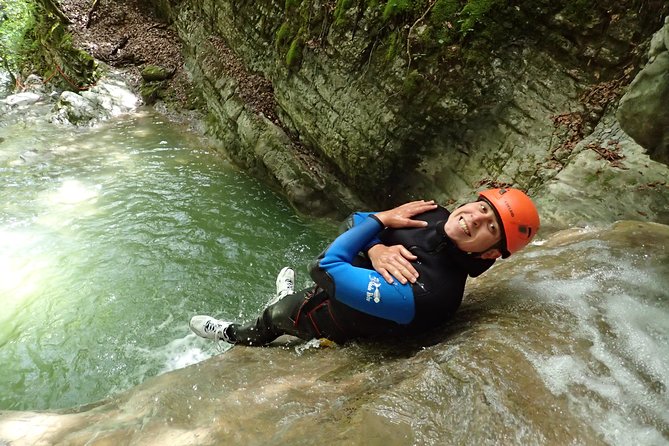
(152, 91)
(155, 73)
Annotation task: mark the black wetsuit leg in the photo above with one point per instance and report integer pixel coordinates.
(309, 314)
(275, 320)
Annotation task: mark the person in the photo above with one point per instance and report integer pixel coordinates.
(392, 273)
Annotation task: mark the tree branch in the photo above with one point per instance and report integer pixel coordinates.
(54, 7)
(90, 12)
(432, 3)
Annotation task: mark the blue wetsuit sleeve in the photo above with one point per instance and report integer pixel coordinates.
(358, 217)
(360, 288)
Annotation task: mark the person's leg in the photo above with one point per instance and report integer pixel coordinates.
(276, 320)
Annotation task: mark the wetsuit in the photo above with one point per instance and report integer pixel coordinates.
(351, 300)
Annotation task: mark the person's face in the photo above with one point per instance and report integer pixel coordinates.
(473, 227)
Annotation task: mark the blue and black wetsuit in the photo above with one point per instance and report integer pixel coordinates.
(351, 300)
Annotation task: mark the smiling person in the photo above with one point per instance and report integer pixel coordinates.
(392, 273)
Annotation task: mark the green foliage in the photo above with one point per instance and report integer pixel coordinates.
(395, 7)
(474, 12)
(50, 53)
(16, 18)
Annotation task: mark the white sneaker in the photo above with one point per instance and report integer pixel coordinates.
(285, 285)
(209, 328)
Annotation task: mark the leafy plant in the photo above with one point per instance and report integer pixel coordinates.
(16, 18)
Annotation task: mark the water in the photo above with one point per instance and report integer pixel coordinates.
(617, 370)
(111, 239)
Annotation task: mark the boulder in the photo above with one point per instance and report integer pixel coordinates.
(75, 109)
(154, 73)
(22, 99)
(643, 112)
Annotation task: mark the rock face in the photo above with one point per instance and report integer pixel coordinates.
(108, 98)
(346, 121)
(643, 111)
(543, 351)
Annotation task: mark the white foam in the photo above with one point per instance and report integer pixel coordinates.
(186, 351)
(618, 382)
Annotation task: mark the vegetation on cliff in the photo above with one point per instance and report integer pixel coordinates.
(16, 18)
(34, 39)
(444, 62)
(431, 34)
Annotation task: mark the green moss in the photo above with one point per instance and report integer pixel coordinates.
(294, 55)
(292, 4)
(578, 10)
(474, 12)
(283, 35)
(340, 11)
(48, 51)
(152, 91)
(412, 83)
(444, 10)
(393, 45)
(155, 73)
(17, 17)
(442, 31)
(394, 8)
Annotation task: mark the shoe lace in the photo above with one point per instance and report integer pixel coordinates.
(219, 333)
(210, 326)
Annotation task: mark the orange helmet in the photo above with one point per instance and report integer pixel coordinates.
(516, 214)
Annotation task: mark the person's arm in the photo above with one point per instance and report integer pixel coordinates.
(393, 262)
(355, 219)
(360, 288)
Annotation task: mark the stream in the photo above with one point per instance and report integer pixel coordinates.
(111, 238)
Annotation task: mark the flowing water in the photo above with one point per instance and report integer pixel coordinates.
(111, 238)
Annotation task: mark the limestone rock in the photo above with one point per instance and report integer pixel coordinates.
(376, 130)
(22, 99)
(109, 97)
(534, 356)
(153, 73)
(76, 109)
(643, 111)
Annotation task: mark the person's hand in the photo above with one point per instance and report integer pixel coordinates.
(393, 261)
(400, 217)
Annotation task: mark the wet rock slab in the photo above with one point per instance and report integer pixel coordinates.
(559, 345)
